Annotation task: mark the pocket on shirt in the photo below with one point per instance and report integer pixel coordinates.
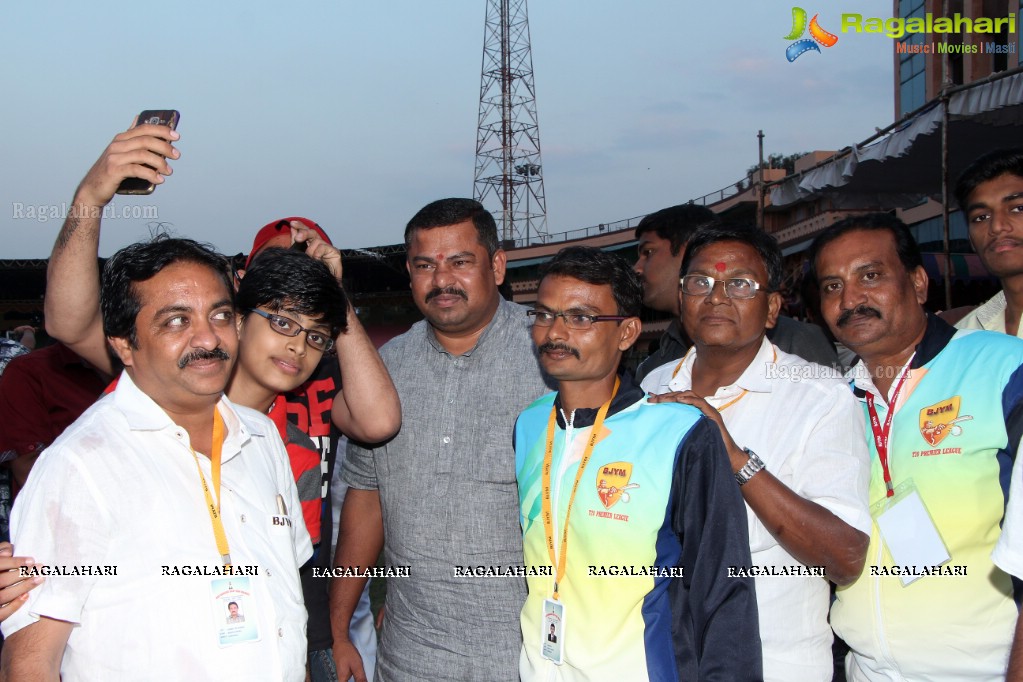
(496, 463)
(281, 531)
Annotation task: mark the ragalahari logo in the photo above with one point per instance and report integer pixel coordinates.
(817, 35)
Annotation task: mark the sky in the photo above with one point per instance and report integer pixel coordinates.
(358, 114)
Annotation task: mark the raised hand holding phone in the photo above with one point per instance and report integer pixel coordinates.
(145, 183)
(141, 151)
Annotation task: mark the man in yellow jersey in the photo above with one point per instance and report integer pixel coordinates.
(629, 507)
(929, 604)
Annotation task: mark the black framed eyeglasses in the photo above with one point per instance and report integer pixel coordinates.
(286, 326)
(544, 318)
(735, 287)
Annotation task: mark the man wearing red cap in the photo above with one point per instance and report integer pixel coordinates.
(312, 395)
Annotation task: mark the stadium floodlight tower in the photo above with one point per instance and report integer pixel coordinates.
(509, 174)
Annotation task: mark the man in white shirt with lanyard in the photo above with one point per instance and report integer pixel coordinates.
(163, 492)
(794, 437)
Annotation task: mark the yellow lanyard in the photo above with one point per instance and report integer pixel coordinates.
(214, 507)
(548, 461)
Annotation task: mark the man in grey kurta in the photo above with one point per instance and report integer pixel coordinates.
(446, 482)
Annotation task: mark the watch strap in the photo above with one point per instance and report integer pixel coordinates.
(753, 466)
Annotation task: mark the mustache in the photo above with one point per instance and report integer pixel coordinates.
(547, 346)
(865, 311)
(446, 291)
(200, 354)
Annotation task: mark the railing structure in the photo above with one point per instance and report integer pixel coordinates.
(579, 233)
(727, 192)
(626, 223)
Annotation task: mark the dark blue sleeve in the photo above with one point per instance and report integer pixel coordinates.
(715, 624)
(1012, 409)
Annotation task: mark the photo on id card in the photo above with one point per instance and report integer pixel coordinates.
(552, 636)
(234, 611)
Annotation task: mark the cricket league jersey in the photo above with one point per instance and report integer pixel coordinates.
(955, 432)
(655, 501)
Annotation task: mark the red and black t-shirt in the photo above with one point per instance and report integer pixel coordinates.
(308, 409)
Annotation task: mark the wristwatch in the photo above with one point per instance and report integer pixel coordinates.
(750, 469)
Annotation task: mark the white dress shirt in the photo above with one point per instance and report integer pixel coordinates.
(989, 315)
(120, 489)
(802, 420)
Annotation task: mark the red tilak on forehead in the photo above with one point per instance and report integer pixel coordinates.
(719, 266)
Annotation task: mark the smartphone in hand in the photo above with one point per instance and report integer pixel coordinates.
(163, 117)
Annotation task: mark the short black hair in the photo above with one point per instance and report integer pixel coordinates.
(594, 266)
(764, 244)
(447, 212)
(232, 603)
(283, 278)
(676, 223)
(905, 246)
(141, 261)
(988, 167)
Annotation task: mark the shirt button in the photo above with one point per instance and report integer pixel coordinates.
(280, 632)
(243, 518)
(269, 574)
(446, 440)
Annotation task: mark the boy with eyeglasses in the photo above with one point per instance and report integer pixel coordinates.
(794, 437)
(284, 348)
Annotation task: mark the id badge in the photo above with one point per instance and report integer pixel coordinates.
(235, 616)
(908, 531)
(553, 631)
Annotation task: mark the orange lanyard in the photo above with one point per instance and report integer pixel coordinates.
(213, 507)
(548, 461)
(730, 402)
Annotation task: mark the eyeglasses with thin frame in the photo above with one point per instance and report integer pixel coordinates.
(286, 326)
(578, 321)
(735, 287)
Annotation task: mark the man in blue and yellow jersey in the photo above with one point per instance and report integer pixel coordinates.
(631, 517)
(943, 412)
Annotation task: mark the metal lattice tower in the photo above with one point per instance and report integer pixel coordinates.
(509, 175)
